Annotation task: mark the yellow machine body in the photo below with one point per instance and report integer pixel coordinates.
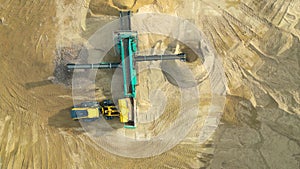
(110, 111)
(124, 110)
(93, 110)
(85, 113)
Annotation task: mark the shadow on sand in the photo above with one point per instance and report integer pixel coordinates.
(32, 85)
(62, 119)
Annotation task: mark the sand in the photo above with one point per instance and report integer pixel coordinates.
(256, 41)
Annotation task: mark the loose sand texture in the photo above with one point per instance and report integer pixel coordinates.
(256, 43)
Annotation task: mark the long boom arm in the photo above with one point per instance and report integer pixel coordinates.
(180, 56)
(93, 66)
(105, 65)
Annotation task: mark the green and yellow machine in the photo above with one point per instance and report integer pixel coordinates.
(89, 111)
(126, 46)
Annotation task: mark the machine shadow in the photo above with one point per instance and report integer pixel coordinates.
(62, 119)
(32, 85)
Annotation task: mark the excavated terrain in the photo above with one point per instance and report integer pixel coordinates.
(256, 41)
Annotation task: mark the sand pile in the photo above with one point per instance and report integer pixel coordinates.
(257, 41)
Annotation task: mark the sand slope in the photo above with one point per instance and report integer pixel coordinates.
(258, 42)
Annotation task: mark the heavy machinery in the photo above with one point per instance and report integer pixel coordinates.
(89, 111)
(126, 45)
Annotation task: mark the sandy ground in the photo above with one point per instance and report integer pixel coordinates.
(258, 42)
